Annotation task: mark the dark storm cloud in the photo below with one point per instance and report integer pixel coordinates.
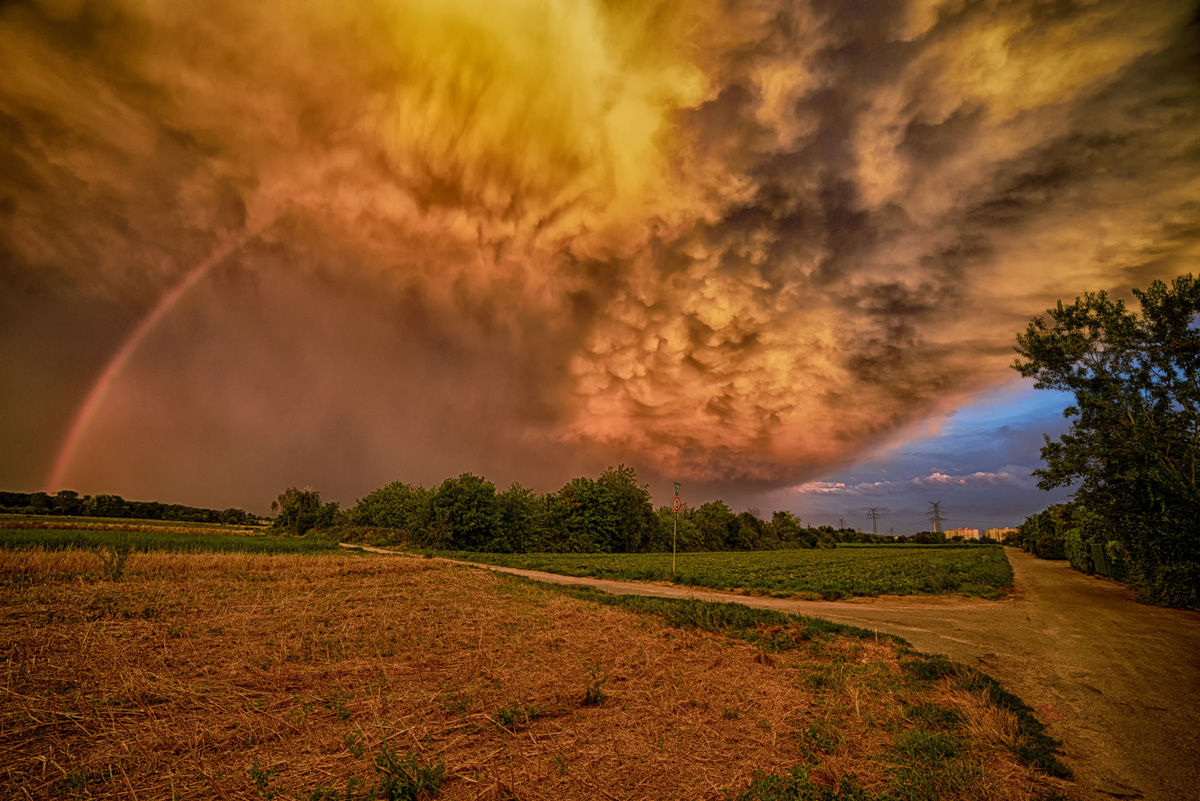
(742, 244)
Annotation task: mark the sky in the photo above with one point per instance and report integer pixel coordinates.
(777, 251)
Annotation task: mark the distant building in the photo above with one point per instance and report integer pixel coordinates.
(999, 533)
(965, 533)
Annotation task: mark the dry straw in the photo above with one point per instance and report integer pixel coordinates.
(249, 676)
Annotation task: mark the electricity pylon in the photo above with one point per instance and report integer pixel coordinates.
(937, 518)
(874, 515)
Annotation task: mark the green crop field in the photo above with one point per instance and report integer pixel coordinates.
(145, 539)
(9, 520)
(830, 574)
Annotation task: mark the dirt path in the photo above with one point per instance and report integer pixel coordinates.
(1118, 682)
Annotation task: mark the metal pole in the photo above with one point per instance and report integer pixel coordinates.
(674, 531)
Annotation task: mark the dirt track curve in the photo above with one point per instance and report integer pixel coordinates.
(1117, 681)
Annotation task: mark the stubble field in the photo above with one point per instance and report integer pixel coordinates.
(238, 676)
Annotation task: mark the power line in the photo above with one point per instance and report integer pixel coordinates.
(874, 515)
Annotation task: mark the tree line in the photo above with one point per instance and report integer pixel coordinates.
(609, 514)
(71, 504)
(1131, 451)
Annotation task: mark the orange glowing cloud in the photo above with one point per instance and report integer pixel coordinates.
(734, 243)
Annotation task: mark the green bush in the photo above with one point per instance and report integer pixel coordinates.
(406, 778)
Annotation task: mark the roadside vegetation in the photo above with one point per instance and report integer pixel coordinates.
(610, 514)
(1134, 444)
(249, 676)
(806, 574)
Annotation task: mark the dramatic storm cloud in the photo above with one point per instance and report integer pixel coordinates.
(745, 245)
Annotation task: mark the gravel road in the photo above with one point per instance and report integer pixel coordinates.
(1117, 681)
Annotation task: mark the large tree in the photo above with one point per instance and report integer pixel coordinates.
(1135, 429)
(587, 518)
(634, 513)
(298, 511)
(405, 508)
(466, 508)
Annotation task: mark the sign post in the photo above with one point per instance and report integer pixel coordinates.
(676, 505)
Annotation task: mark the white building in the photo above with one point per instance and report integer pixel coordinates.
(999, 533)
(965, 533)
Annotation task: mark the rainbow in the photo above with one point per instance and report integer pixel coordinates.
(112, 370)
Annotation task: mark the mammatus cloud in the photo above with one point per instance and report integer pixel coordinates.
(730, 243)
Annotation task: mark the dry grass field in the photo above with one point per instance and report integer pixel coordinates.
(234, 676)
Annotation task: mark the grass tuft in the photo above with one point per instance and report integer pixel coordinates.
(406, 778)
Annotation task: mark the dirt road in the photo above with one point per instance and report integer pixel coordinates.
(1118, 682)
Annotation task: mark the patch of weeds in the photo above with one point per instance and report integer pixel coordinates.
(355, 743)
(594, 694)
(262, 779)
(923, 746)
(932, 716)
(729, 714)
(406, 778)
(76, 780)
(175, 631)
(797, 786)
(560, 765)
(458, 704)
(327, 792)
(935, 779)
(1034, 747)
(930, 667)
(512, 717)
(330, 648)
(822, 737)
(114, 553)
(337, 704)
(298, 717)
(824, 680)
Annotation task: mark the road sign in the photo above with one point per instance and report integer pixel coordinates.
(677, 504)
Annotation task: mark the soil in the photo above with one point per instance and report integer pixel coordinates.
(1116, 681)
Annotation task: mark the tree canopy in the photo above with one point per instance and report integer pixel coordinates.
(298, 511)
(1132, 447)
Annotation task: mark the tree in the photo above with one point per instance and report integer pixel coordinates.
(466, 507)
(634, 513)
(790, 534)
(519, 512)
(233, 516)
(677, 527)
(718, 526)
(298, 511)
(1135, 433)
(105, 506)
(587, 517)
(403, 508)
(750, 533)
(67, 502)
